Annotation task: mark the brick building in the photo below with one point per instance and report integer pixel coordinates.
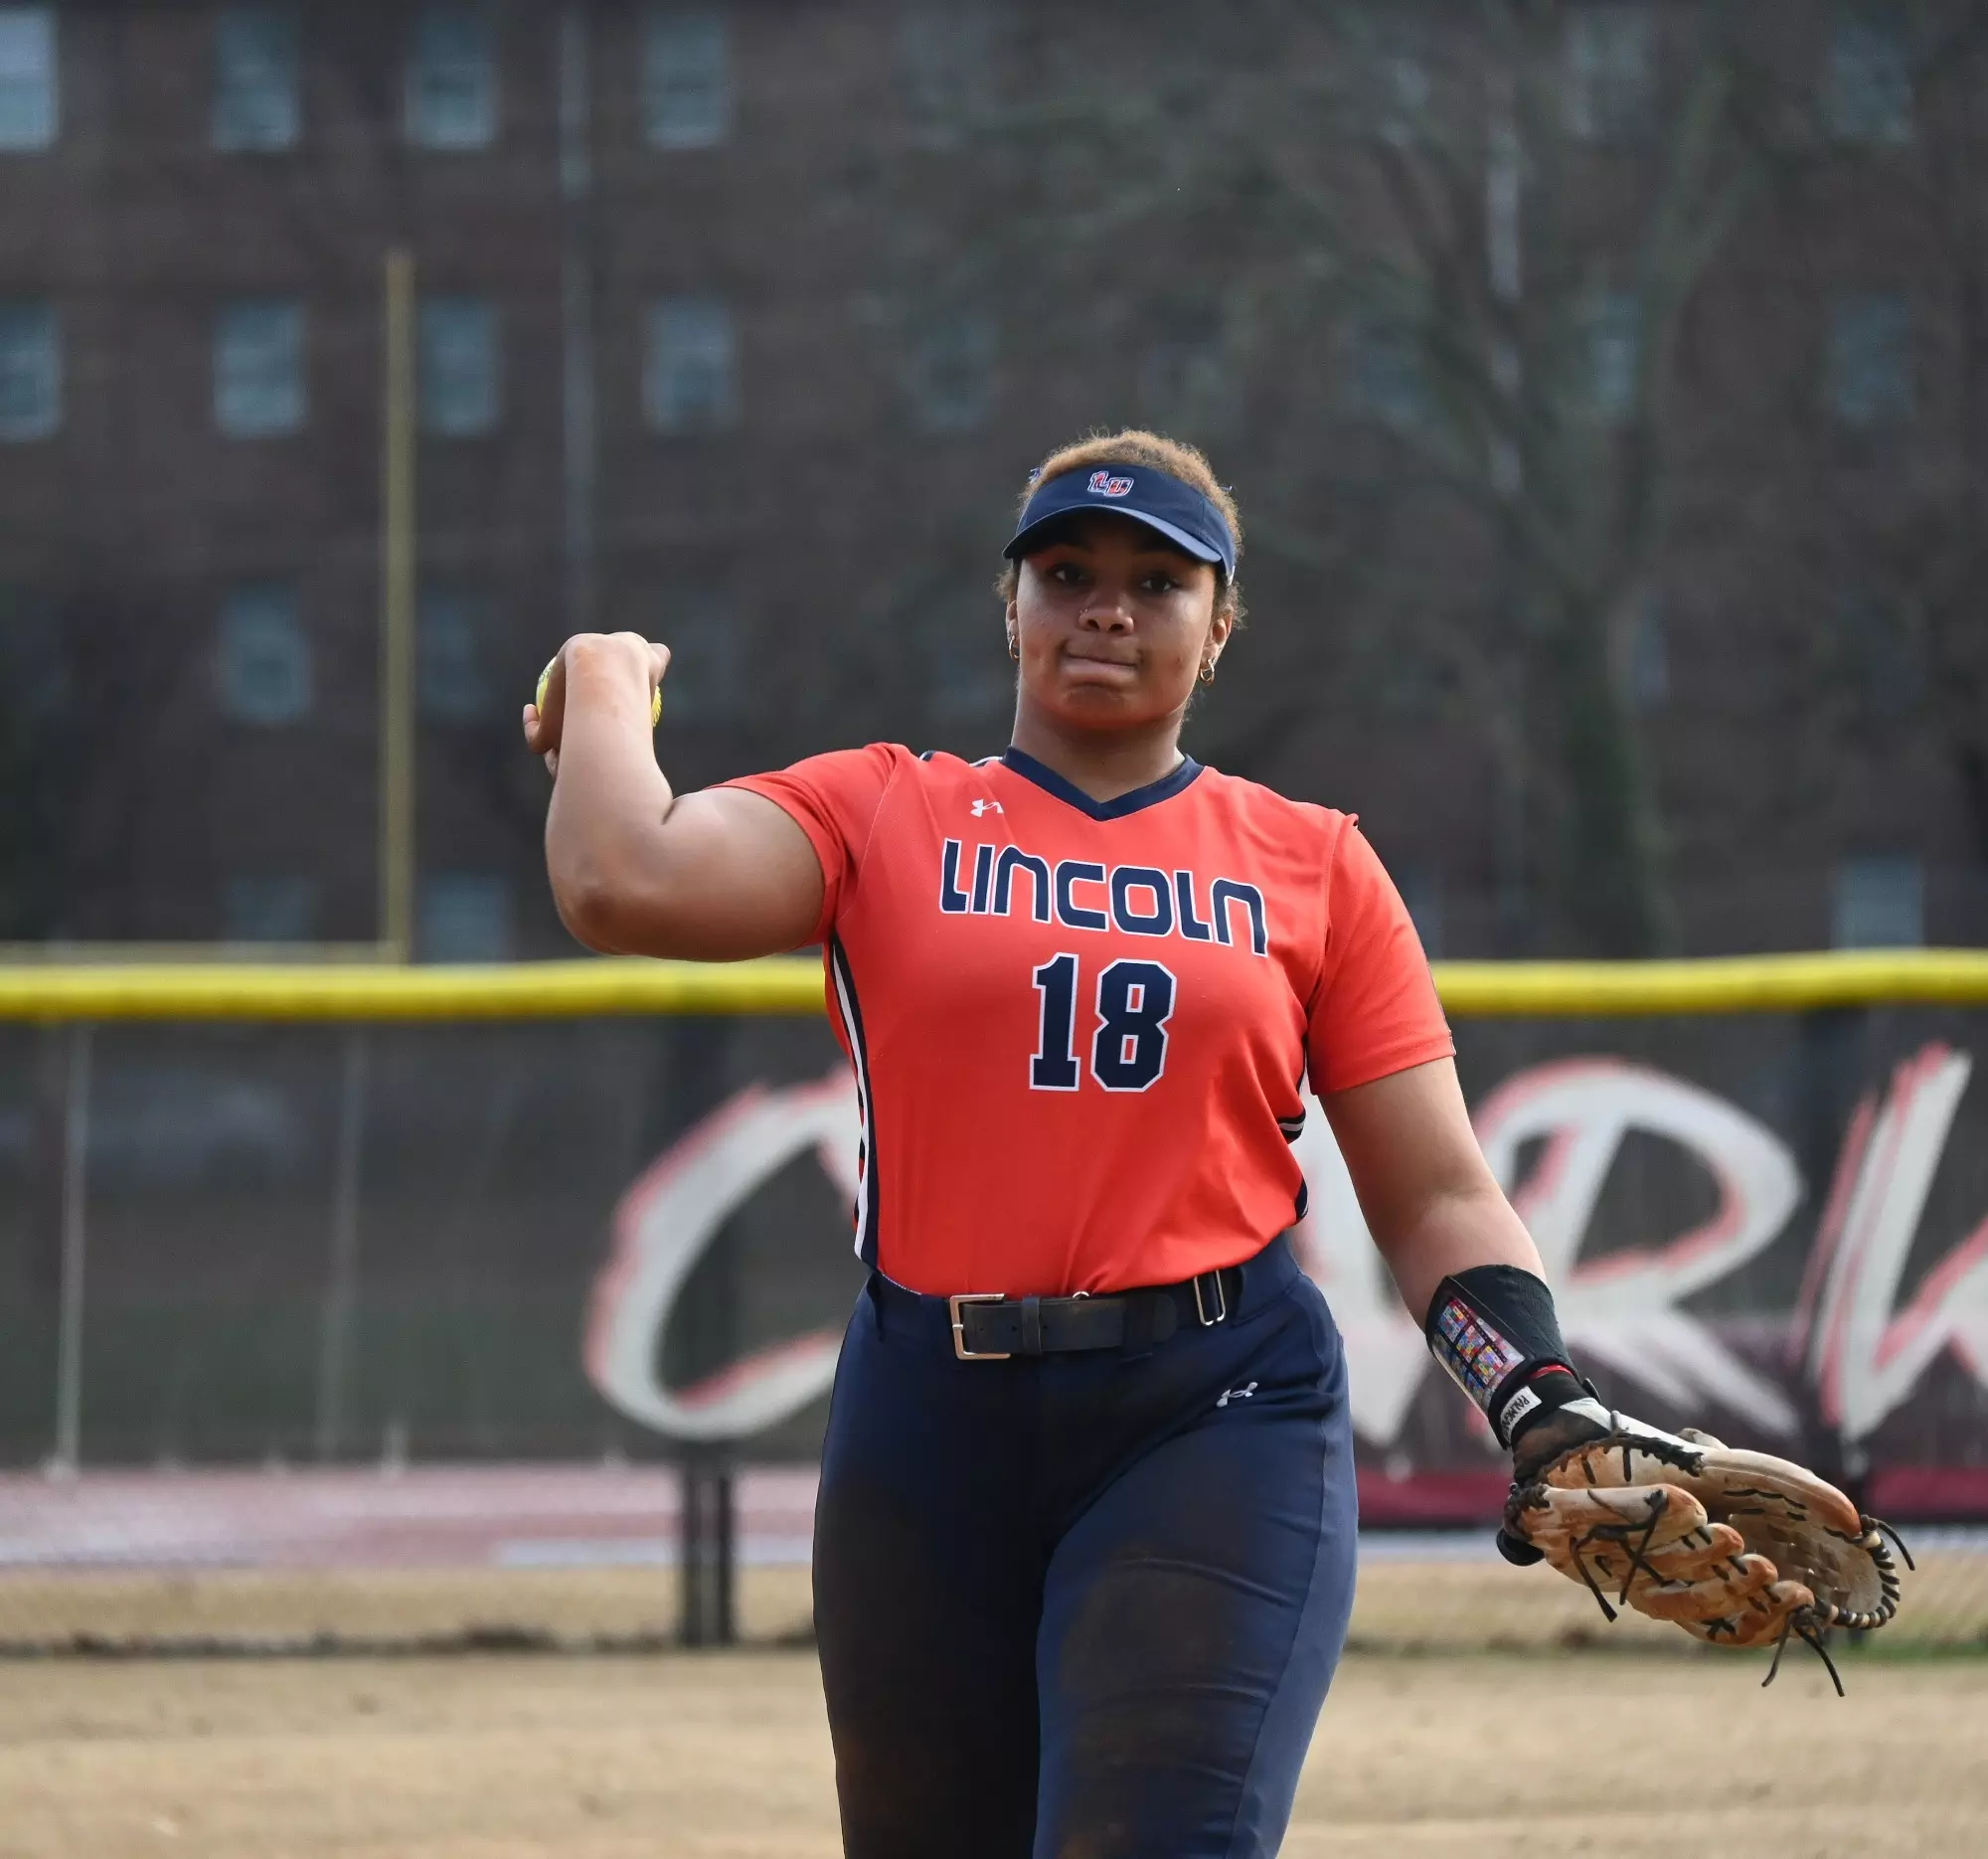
(739, 325)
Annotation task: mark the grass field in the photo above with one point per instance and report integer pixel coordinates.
(610, 1758)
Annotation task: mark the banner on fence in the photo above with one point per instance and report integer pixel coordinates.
(617, 1238)
(1842, 1349)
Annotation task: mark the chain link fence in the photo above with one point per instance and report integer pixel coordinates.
(377, 1333)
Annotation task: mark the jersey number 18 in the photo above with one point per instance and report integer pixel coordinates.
(1135, 1000)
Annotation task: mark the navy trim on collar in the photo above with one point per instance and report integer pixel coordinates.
(1050, 783)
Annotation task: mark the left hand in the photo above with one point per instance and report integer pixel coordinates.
(1739, 1548)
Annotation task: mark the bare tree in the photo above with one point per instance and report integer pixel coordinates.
(1443, 254)
(1925, 671)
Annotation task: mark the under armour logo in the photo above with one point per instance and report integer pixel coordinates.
(1237, 1393)
(985, 806)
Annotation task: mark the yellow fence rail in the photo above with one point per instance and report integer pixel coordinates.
(52, 993)
(1719, 984)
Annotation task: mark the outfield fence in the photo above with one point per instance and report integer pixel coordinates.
(357, 1304)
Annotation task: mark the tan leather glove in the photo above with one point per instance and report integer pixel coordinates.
(1740, 1549)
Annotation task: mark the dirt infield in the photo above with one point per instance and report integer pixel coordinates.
(726, 1755)
(1463, 1606)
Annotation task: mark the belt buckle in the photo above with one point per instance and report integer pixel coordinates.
(959, 1347)
(1220, 1301)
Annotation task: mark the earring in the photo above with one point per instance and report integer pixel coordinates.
(1013, 650)
(1207, 671)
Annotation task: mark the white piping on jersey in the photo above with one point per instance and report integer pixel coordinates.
(866, 1154)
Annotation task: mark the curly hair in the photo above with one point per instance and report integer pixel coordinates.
(1136, 445)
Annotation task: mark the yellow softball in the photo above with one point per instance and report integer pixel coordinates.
(545, 677)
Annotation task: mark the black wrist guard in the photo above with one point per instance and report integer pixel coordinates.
(1494, 1330)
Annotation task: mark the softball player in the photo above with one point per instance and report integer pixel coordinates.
(1084, 1542)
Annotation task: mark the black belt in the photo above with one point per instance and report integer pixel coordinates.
(988, 1327)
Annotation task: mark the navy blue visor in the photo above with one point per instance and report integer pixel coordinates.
(1180, 513)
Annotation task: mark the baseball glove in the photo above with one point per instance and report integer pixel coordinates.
(1738, 1548)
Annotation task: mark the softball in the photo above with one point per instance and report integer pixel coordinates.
(545, 677)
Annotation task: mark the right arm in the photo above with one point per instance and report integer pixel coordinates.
(636, 869)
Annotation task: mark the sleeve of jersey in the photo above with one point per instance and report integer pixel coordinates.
(1376, 1012)
(833, 799)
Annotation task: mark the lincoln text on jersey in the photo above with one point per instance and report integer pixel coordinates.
(1083, 894)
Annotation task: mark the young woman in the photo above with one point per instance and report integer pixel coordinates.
(1085, 1541)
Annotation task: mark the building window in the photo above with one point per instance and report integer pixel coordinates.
(258, 369)
(30, 94)
(1880, 656)
(1867, 90)
(1649, 666)
(1609, 66)
(1870, 358)
(952, 373)
(948, 61)
(1408, 683)
(1880, 903)
(1403, 95)
(1390, 375)
(451, 675)
(465, 916)
(1420, 886)
(1614, 342)
(255, 97)
(35, 656)
(687, 78)
(1186, 384)
(30, 373)
(266, 667)
(690, 384)
(269, 909)
(969, 679)
(453, 79)
(705, 684)
(460, 372)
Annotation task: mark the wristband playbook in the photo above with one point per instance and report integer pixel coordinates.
(1494, 1330)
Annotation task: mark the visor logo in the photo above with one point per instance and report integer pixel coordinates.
(1103, 485)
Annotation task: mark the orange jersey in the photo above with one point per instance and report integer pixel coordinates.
(1079, 1029)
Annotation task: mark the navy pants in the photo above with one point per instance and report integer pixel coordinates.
(1083, 1605)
